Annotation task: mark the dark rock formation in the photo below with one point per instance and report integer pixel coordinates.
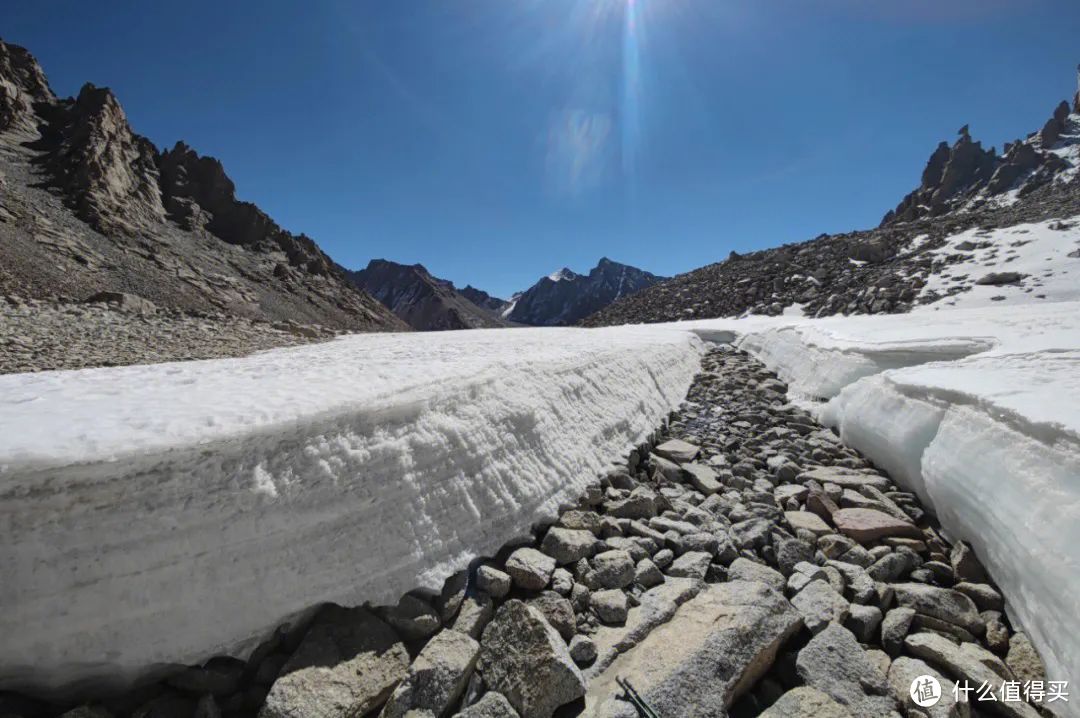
(22, 83)
(484, 300)
(565, 298)
(424, 302)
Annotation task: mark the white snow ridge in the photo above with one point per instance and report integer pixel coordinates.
(167, 513)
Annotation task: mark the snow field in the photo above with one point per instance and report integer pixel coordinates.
(168, 513)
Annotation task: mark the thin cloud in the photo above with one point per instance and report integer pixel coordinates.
(578, 151)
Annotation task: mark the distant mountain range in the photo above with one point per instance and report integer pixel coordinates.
(428, 303)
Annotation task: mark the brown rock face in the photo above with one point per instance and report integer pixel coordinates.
(108, 172)
(22, 83)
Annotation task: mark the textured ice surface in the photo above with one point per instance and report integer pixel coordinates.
(978, 410)
(172, 512)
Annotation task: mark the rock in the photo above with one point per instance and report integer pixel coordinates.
(437, 678)
(413, 618)
(582, 650)
(834, 663)
(450, 598)
(996, 279)
(492, 705)
(866, 525)
(711, 652)
(904, 671)
(568, 545)
(525, 659)
(611, 569)
(859, 587)
(743, 569)
(703, 478)
(348, 663)
(892, 566)
(492, 581)
(1023, 660)
(894, 629)
(958, 665)
(965, 564)
(647, 574)
(693, 564)
(820, 605)
(941, 603)
(220, 677)
(803, 702)
(610, 606)
(562, 582)
(678, 451)
(808, 522)
(474, 614)
(997, 635)
(790, 552)
(844, 478)
(530, 569)
(863, 622)
(584, 520)
(640, 504)
(124, 302)
(984, 596)
(558, 612)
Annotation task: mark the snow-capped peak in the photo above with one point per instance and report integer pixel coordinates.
(562, 274)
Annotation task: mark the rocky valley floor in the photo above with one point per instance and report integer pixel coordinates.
(744, 563)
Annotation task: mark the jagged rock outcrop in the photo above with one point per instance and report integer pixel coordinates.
(484, 300)
(88, 205)
(424, 302)
(565, 298)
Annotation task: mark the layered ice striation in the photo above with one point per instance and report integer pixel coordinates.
(978, 411)
(168, 513)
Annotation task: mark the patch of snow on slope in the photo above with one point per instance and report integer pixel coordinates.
(168, 513)
(978, 411)
(1047, 254)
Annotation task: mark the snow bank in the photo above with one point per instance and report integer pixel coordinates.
(978, 411)
(167, 513)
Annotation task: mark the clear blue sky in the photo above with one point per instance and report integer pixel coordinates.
(497, 140)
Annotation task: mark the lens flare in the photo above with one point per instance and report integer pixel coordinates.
(630, 105)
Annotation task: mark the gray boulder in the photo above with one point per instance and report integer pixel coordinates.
(835, 664)
(530, 569)
(437, 678)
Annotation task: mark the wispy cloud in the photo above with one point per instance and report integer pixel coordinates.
(578, 151)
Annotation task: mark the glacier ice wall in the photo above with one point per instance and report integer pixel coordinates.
(167, 513)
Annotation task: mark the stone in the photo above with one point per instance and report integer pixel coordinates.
(894, 629)
(819, 605)
(610, 606)
(584, 520)
(663, 558)
(803, 702)
(959, 666)
(558, 612)
(892, 566)
(220, 677)
(941, 603)
(863, 622)
(640, 504)
(677, 450)
(713, 650)
(611, 569)
(492, 581)
(525, 659)
(348, 664)
(475, 612)
(790, 552)
(568, 545)
(983, 595)
(437, 678)
(450, 598)
(807, 521)
(834, 663)
(666, 468)
(124, 302)
(694, 564)
(491, 705)
(844, 478)
(997, 635)
(703, 478)
(413, 618)
(866, 525)
(1023, 660)
(858, 585)
(582, 650)
(966, 564)
(743, 569)
(530, 569)
(905, 670)
(647, 574)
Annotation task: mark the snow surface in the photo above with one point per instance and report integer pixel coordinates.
(976, 410)
(1046, 253)
(168, 513)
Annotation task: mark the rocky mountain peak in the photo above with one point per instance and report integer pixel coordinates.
(565, 297)
(22, 83)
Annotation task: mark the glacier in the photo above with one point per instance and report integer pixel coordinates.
(977, 411)
(162, 514)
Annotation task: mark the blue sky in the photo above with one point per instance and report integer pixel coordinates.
(497, 140)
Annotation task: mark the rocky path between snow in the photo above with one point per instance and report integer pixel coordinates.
(744, 563)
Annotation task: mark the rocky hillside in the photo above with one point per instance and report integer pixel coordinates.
(87, 205)
(484, 300)
(425, 302)
(887, 269)
(564, 298)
